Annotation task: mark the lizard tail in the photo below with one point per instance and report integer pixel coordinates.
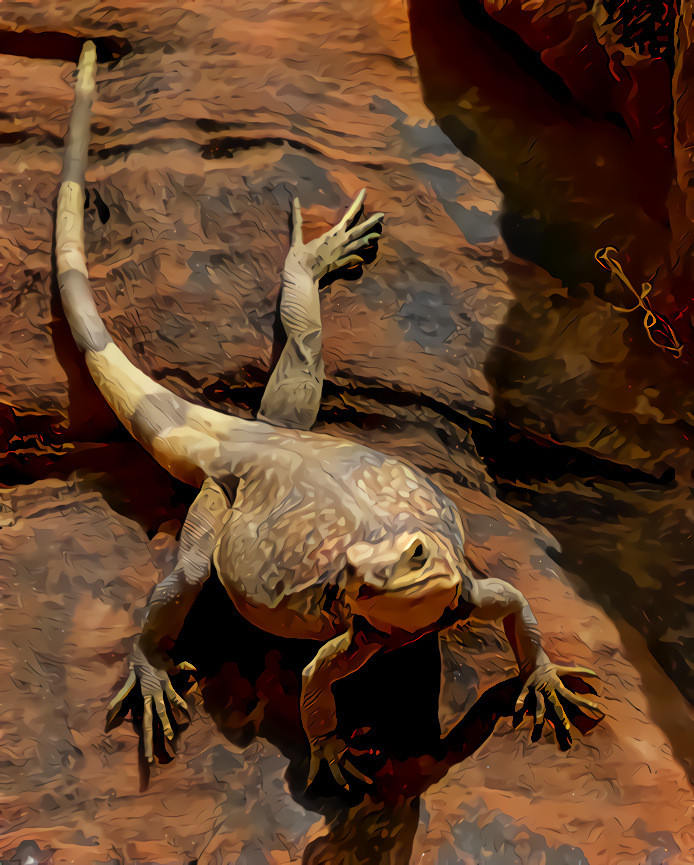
(73, 280)
(183, 437)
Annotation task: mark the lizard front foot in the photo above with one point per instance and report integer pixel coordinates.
(350, 244)
(332, 750)
(546, 684)
(156, 689)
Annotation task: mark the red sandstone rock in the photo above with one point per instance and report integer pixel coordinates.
(200, 137)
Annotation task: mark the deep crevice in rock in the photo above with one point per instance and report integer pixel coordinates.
(56, 45)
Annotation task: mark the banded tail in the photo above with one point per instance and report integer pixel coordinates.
(186, 439)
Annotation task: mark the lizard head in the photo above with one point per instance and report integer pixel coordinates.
(405, 581)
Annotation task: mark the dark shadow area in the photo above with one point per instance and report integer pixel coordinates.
(592, 531)
(387, 713)
(651, 31)
(54, 45)
(574, 176)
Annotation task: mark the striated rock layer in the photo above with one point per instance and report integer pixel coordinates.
(571, 117)
(203, 131)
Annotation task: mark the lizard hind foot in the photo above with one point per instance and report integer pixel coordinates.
(331, 750)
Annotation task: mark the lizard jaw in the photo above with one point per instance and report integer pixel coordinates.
(412, 608)
(424, 586)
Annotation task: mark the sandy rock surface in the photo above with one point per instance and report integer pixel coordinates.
(572, 124)
(201, 135)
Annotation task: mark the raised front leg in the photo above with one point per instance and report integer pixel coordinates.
(292, 395)
(150, 664)
(497, 600)
(337, 659)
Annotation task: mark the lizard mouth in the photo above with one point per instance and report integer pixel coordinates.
(425, 584)
(409, 607)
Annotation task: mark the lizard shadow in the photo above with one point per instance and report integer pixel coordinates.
(388, 714)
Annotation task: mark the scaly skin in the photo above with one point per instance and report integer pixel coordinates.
(312, 536)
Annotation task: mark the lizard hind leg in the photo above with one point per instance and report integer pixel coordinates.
(292, 395)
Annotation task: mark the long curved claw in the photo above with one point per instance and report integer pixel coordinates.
(313, 769)
(160, 706)
(363, 227)
(185, 665)
(575, 671)
(176, 700)
(539, 709)
(349, 261)
(336, 771)
(356, 773)
(581, 702)
(332, 750)
(555, 702)
(353, 213)
(148, 730)
(114, 707)
(361, 242)
(522, 697)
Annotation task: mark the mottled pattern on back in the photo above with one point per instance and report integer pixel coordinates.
(294, 520)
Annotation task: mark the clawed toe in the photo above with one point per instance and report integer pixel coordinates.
(332, 752)
(159, 703)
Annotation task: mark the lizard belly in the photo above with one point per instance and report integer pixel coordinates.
(280, 554)
(279, 599)
(287, 619)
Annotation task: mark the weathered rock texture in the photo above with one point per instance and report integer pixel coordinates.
(441, 353)
(573, 125)
(682, 199)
